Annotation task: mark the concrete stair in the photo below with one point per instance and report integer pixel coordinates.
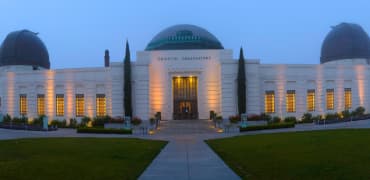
(186, 127)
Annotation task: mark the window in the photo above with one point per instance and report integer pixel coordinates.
(290, 101)
(347, 98)
(310, 100)
(269, 101)
(100, 105)
(23, 104)
(80, 105)
(41, 104)
(330, 99)
(60, 104)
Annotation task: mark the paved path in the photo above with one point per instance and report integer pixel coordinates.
(187, 156)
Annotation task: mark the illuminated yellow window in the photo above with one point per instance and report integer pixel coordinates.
(23, 104)
(290, 101)
(80, 105)
(269, 101)
(101, 108)
(60, 104)
(330, 99)
(310, 100)
(40, 104)
(347, 98)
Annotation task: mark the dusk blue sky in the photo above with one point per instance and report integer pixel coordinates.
(76, 32)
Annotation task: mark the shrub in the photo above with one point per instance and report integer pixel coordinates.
(316, 118)
(218, 119)
(7, 118)
(20, 120)
(152, 120)
(158, 115)
(360, 111)
(269, 126)
(136, 121)
(38, 121)
(234, 119)
(266, 117)
(72, 123)
(85, 121)
(117, 119)
(59, 124)
(291, 119)
(100, 121)
(331, 116)
(307, 118)
(103, 131)
(54, 123)
(276, 119)
(254, 117)
(212, 114)
(346, 114)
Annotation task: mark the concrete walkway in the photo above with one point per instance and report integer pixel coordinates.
(187, 156)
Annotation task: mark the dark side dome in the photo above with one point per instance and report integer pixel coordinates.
(24, 48)
(345, 41)
(184, 36)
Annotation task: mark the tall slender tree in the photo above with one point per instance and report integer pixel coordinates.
(127, 99)
(242, 95)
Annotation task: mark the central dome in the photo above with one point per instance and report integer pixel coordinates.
(184, 36)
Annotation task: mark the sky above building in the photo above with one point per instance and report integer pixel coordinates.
(77, 33)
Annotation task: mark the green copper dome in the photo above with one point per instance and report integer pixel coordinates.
(184, 36)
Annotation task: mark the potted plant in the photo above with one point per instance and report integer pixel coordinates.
(218, 120)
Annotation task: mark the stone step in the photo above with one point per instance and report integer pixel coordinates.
(186, 127)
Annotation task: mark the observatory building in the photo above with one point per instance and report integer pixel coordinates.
(185, 72)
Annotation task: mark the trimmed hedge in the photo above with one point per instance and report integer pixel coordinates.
(290, 119)
(104, 131)
(269, 126)
(58, 123)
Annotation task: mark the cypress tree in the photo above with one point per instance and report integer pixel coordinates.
(241, 84)
(127, 99)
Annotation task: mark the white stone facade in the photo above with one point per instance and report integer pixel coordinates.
(69, 82)
(216, 71)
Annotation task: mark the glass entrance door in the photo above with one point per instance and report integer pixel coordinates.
(185, 104)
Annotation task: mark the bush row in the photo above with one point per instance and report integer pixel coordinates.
(7, 119)
(358, 113)
(73, 123)
(100, 121)
(269, 126)
(103, 131)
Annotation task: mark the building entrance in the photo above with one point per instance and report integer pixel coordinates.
(185, 93)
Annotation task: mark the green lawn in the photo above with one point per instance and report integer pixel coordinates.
(334, 154)
(76, 158)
